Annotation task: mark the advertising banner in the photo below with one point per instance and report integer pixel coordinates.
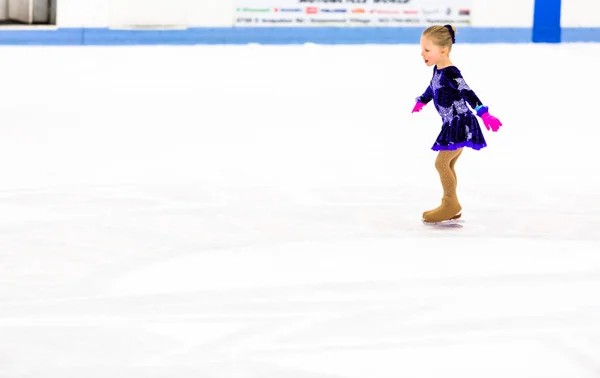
(341, 13)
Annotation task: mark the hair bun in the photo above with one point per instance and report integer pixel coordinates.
(451, 30)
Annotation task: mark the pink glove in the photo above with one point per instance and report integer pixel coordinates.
(491, 122)
(418, 107)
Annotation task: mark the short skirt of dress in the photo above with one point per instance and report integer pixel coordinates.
(462, 131)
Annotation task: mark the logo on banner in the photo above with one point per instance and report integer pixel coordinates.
(257, 10)
(288, 10)
(385, 11)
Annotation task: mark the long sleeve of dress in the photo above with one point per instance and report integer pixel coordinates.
(458, 82)
(426, 96)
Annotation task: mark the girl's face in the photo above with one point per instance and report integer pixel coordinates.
(431, 53)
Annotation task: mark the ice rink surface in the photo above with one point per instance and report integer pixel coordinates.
(254, 212)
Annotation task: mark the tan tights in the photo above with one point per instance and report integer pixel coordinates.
(445, 162)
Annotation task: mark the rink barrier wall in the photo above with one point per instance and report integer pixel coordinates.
(274, 36)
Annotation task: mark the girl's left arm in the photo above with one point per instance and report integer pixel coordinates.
(458, 82)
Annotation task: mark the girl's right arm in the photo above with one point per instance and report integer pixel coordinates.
(426, 96)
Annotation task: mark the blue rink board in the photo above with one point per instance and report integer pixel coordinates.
(280, 36)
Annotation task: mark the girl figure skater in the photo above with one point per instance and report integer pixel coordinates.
(460, 128)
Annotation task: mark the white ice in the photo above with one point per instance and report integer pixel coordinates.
(254, 212)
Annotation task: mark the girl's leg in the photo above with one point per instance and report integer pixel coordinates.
(452, 164)
(450, 206)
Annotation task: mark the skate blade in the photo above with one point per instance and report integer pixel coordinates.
(450, 222)
(443, 223)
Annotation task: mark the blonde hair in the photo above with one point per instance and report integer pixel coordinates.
(440, 35)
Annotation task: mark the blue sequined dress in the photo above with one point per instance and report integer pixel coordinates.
(450, 95)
